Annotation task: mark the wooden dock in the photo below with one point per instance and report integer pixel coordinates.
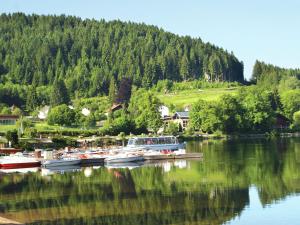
(173, 156)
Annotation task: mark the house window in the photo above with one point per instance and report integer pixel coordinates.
(7, 122)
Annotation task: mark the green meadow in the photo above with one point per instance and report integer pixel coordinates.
(188, 97)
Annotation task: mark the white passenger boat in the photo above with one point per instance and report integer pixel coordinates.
(123, 158)
(61, 162)
(153, 143)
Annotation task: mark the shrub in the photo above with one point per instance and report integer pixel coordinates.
(61, 115)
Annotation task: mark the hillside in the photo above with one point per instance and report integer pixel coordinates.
(86, 54)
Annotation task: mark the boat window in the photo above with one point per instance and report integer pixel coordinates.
(131, 142)
(149, 141)
(154, 141)
(139, 142)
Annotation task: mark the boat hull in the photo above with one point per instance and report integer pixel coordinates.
(58, 163)
(155, 147)
(124, 159)
(19, 165)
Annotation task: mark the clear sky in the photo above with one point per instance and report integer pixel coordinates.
(266, 30)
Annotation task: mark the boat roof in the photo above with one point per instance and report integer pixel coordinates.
(152, 137)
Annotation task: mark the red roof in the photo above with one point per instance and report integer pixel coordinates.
(9, 117)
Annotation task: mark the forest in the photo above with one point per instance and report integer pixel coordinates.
(270, 75)
(37, 50)
(64, 60)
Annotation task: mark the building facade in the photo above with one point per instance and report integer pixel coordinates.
(8, 119)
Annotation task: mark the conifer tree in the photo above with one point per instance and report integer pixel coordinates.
(32, 99)
(112, 91)
(59, 94)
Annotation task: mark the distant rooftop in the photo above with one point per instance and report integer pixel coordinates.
(182, 114)
(9, 117)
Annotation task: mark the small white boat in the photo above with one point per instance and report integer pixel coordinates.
(123, 158)
(61, 162)
(18, 160)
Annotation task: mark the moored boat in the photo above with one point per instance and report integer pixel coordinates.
(61, 162)
(123, 158)
(153, 143)
(18, 161)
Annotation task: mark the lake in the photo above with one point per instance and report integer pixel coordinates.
(252, 181)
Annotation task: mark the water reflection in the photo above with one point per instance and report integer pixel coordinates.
(212, 191)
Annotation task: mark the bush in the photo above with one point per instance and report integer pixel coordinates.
(26, 145)
(121, 124)
(296, 119)
(60, 142)
(172, 128)
(12, 136)
(30, 132)
(61, 115)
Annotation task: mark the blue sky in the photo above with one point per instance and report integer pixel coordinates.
(264, 30)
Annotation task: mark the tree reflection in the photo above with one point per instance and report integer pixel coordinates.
(211, 191)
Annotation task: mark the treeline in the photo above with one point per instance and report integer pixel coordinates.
(285, 83)
(271, 76)
(253, 109)
(86, 54)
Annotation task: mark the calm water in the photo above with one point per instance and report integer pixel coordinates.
(237, 182)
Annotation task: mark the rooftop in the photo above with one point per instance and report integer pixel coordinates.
(182, 114)
(9, 117)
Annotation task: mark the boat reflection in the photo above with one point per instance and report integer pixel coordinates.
(124, 165)
(59, 170)
(21, 170)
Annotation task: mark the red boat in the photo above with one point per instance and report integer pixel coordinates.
(18, 161)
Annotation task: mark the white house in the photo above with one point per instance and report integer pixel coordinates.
(164, 111)
(85, 112)
(43, 113)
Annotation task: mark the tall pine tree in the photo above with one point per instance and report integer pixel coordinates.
(59, 94)
(32, 99)
(112, 91)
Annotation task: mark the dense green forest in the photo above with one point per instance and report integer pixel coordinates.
(270, 75)
(86, 54)
(63, 60)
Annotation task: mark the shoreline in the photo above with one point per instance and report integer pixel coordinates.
(237, 136)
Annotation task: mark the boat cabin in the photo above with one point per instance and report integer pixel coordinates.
(142, 141)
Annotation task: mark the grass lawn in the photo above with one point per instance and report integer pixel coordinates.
(188, 97)
(5, 128)
(43, 126)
